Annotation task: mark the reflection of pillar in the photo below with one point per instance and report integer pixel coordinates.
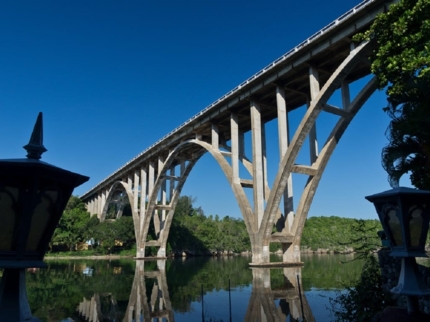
(90, 310)
(158, 306)
(138, 304)
(262, 304)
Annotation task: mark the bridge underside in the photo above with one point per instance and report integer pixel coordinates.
(153, 181)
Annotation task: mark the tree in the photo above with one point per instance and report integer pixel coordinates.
(401, 63)
(75, 225)
(112, 233)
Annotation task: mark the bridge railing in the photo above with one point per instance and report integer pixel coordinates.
(288, 54)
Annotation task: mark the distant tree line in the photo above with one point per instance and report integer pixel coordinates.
(195, 233)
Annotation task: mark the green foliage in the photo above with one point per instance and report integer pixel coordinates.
(75, 226)
(338, 234)
(191, 230)
(401, 54)
(409, 138)
(401, 63)
(109, 234)
(365, 298)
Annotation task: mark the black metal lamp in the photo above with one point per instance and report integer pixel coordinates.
(33, 195)
(405, 214)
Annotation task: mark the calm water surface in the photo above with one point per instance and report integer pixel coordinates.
(195, 289)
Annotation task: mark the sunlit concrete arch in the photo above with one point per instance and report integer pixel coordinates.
(315, 171)
(152, 201)
(130, 197)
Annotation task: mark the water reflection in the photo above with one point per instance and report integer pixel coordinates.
(194, 289)
(277, 295)
(158, 306)
(291, 300)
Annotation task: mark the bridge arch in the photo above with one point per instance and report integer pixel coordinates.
(111, 194)
(152, 201)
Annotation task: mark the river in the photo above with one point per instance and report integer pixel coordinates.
(193, 289)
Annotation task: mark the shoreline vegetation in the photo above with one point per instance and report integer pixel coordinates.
(193, 233)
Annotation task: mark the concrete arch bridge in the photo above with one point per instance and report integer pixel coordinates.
(305, 77)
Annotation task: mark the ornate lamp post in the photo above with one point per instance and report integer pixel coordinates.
(33, 195)
(405, 214)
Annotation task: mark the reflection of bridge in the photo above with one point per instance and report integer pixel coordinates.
(265, 304)
(306, 77)
(91, 309)
(158, 306)
(292, 301)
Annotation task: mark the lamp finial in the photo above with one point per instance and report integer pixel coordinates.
(35, 147)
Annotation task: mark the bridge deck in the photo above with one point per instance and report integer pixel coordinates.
(326, 49)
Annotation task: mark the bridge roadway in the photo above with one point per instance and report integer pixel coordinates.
(304, 77)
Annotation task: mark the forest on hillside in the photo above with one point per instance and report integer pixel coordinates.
(194, 232)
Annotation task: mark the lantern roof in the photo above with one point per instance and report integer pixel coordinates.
(398, 191)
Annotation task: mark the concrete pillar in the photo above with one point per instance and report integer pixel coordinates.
(284, 140)
(151, 178)
(104, 194)
(346, 99)
(215, 136)
(99, 205)
(315, 88)
(234, 129)
(135, 191)
(143, 184)
(129, 182)
(163, 191)
(140, 250)
(90, 206)
(263, 151)
(95, 207)
(172, 183)
(257, 161)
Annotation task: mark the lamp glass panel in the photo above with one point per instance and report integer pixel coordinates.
(395, 226)
(8, 199)
(415, 225)
(41, 216)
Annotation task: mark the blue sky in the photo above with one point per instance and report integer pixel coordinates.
(113, 77)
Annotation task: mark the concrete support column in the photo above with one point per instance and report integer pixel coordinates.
(136, 191)
(151, 178)
(90, 206)
(163, 191)
(346, 98)
(104, 195)
(234, 129)
(99, 205)
(215, 136)
(140, 250)
(172, 183)
(257, 161)
(129, 182)
(263, 151)
(162, 251)
(315, 88)
(95, 206)
(143, 185)
(284, 140)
